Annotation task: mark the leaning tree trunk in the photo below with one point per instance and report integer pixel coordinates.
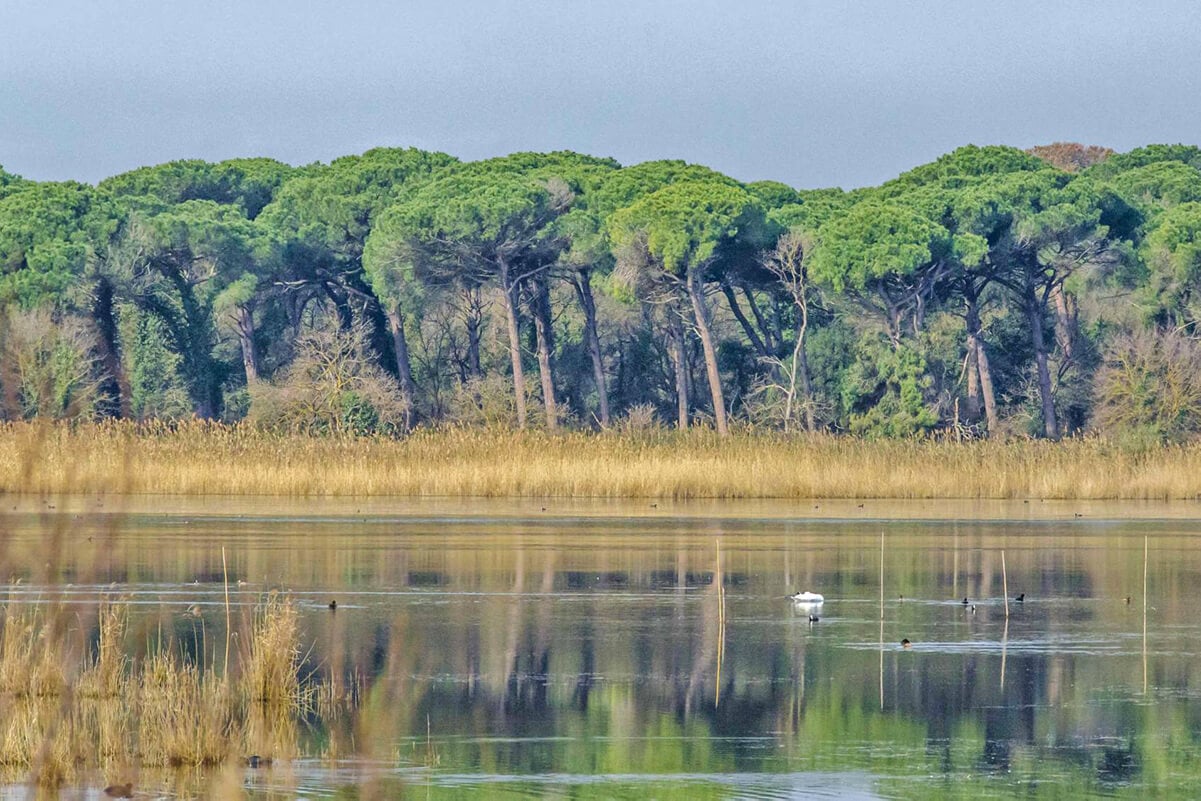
(244, 328)
(583, 288)
(701, 314)
(974, 404)
(404, 366)
(1065, 322)
(540, 295)
(509, 294)
(194, 337)
(978, 367)
(756, 341)
(986, 389)
(117, 381)
(801, 364)
(680, 360)
(1034, 315)
(772, 337)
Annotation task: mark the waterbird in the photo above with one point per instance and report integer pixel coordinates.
(1127, 600)
(814, 618)
(333, 606)
(965, 602)
(119, 790)
(905, 643)
(807, 597)
(1020, 599)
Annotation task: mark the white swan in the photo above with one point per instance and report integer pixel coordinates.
(808, 598)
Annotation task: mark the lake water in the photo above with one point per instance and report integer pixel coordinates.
(637, 650)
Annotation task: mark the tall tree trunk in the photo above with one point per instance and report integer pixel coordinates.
(1034, 315)
(194, 338)
(772, 337)
(404, 366)
(971, 320)
(379, 335)
(540, 295)
(978, 367)
(756, 341)
(116, 384)
(473, 317)
(244, 328)
(801, 362)
(509, 294)
(1065, 322)
(680, 360)
(972, 371)
(583, 287)
(341, 306)
(700, 312)
(986, 389)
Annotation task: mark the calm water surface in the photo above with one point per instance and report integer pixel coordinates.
(503, 650)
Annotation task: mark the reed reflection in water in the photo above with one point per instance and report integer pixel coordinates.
(607, 656)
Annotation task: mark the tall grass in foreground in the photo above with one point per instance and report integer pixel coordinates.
(64, 712)
(201, 458)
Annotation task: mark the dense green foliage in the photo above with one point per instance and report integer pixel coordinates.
(992, 291)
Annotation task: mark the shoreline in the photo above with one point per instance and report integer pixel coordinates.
(551, 511)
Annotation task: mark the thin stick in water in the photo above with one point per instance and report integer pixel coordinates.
(225, 573)
(721, 625)
(1005, 583)
(1145, 547)
(881, 620)
(1004, 648)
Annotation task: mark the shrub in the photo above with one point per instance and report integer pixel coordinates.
(50, 366)
(1149, 388)
(333, 386)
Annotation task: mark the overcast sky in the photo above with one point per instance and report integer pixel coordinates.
(810, 93)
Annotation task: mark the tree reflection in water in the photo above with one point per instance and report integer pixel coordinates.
(590, 647)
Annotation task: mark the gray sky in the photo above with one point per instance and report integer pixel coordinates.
(809, 93)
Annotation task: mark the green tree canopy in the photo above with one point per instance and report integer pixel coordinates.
(1172, 251)
(1189, 155)
(689, 225)
(10, 183)
(48, 231)
(249, 184)
(330, 208)
(963, 167)
(689, 231)
(876, 240)
(1157, 186)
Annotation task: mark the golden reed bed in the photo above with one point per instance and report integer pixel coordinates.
(211, 459)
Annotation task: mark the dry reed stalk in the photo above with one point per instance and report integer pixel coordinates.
(106, 676)
(63, 709)
(32, 655)
(270, 668)
(208, 458)
(185, 717)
